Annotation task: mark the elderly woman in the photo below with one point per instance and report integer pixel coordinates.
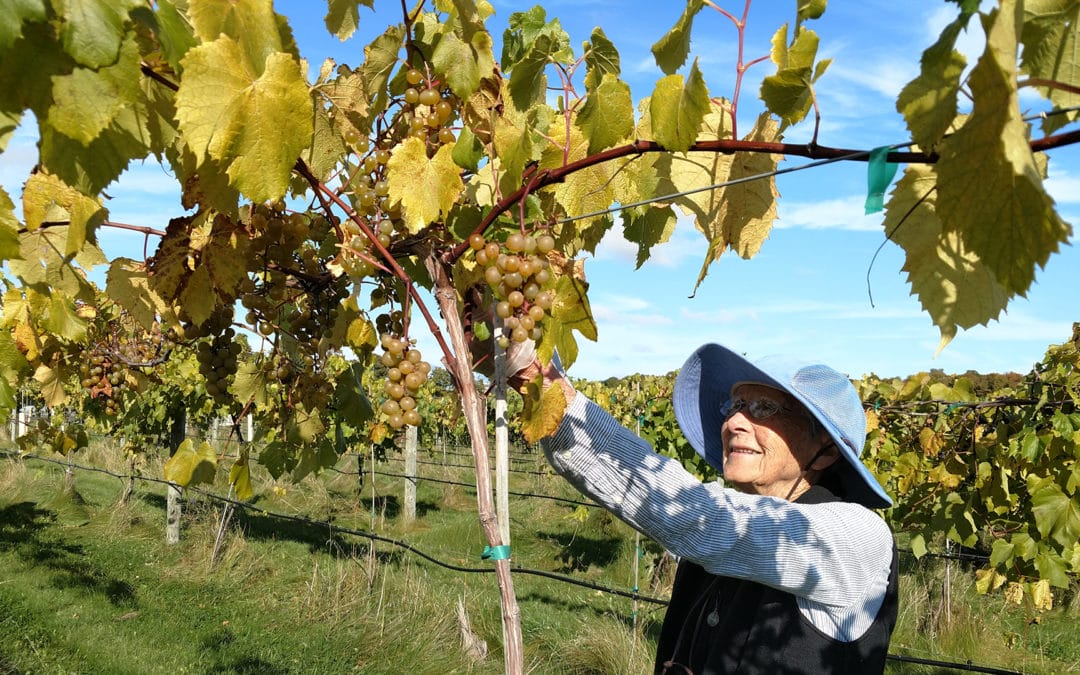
(784, 568)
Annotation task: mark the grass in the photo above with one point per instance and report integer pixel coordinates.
(87, 584)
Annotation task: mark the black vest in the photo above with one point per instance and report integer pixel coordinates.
(759, 629)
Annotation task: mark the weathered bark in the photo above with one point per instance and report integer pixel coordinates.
(474, 408)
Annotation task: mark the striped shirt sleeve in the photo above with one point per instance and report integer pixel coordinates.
(833, 557)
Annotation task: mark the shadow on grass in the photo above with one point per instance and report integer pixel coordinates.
(318, 538)
(578, 553)
(24, 530)
(219, 643)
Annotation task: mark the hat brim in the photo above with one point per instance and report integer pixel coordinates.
(703, 388)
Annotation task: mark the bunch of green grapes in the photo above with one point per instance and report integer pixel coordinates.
(518, 273)
(406, 373)
(104, 378)
(430, 110)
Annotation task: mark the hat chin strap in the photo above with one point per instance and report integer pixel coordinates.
(807, 467)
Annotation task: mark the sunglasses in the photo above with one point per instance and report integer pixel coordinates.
(754, 408)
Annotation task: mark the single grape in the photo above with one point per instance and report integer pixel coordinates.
(414, 76)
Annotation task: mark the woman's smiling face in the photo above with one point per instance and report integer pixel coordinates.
(767, 455)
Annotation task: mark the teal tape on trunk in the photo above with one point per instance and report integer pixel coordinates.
(495, 553)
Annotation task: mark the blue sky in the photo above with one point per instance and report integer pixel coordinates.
(808, 292)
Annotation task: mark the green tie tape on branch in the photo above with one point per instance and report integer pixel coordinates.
(496, 553)
(879, 174)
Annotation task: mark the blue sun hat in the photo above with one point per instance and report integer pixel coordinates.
(703, 389)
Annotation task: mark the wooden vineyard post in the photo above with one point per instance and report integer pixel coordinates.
(409, 511)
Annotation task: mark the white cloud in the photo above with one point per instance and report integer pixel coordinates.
(845, 213)
(1063, 186)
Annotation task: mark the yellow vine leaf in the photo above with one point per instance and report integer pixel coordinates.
(255, 120)
(676, 109)
(47, 199)
(9, 228)
(250, 22)
(240, 478)
(543, 411)
(52, 385)
(989, 579)
(1041, 596)
(426, 188)
(953, 284)
(990, 186)
(127, 284)
(1014, 593)
(930, 441)
(190, 465)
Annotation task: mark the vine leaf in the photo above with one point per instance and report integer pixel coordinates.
(543, 410)
(12, 15)
(591, 189)
(425, 188)
(789, 92)
(190, 465)
(47, 199)
(928, 103)
(601, 58)
(251, 23)
(988, 174)
(747, 210)
(676, 110)
(251, 383)
(91, 31)
(343, 17)
(1051, 39)
(52, 385)
(240, 477)
(175, 33)
(464, 51)
(9, 228)
(671, 50)
(1057, 515)
(528, 82)
(608, 114)
(87, 100)
(954, 286)
(570, 311)
(257, 124)
(126, 283)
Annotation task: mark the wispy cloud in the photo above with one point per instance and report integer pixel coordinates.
(844, 213)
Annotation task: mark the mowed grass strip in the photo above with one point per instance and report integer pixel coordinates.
(87, 584)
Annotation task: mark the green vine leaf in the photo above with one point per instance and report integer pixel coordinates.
(671, 50)
(928, 103)
(1051, 41)
(175, 33)
(464, 52)
(425, 188)
(110, 90)
(12, 16)
(953, 285)
(789, 93)
(607, 118)
(92, 31)
(601, 58)
(343, 17)
(1057, 515)
(676, 111)
(988, 174)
